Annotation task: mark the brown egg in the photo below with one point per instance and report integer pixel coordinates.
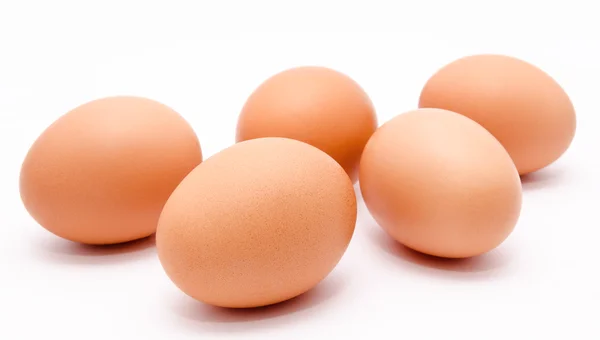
(101, 173)
(523, 107)
(441, 184)
(316, 105)
(258, 223)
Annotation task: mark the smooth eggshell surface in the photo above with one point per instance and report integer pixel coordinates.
(316, 105)
(260, 222)
(440, 184)
(101, 173)
(523, 107)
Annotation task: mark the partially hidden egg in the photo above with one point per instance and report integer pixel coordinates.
(441, 184)
(316, 105)
(521, 105)
(258, 223)
(102, 172)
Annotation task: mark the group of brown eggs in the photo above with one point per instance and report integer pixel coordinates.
(269, 217)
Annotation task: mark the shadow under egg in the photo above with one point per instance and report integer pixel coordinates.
(544, 178)
(58, 250)
(214, 318)
(488, 262)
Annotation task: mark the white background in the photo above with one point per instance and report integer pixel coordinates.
(203, 58)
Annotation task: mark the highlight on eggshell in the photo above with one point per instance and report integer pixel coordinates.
(102, 172)
(441, 184)
(258, 223)
(521, 105)
(316, 105)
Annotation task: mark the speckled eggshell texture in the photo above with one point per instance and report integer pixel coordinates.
(258, 223)
(441, 184)
(102, 172)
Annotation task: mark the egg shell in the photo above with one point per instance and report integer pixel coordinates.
(102, 172)
(258, 223)
(521, 105)
(316, 105)
(440, 184)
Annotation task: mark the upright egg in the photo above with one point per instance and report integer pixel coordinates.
(521, 105)
(441, 184)
(102, 172)
(258, 223)
(315, 105)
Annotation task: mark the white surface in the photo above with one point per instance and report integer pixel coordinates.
(204, 60)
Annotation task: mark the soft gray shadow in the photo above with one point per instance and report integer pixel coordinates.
(54, 249)
(358, 193)
(201, 316)
(545, 178)
(466, 267)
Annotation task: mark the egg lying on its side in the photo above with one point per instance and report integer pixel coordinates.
(315, 105)
(258, 223)
(102, 172)
(521, 105)
(440, 184)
